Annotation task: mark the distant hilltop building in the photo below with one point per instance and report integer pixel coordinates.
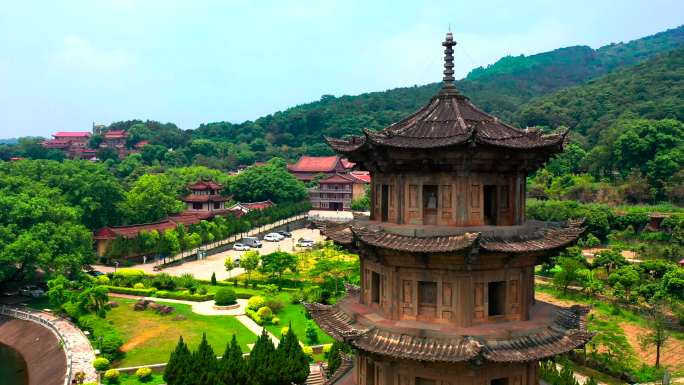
(337, 184)
(447, 257)
(74, 144)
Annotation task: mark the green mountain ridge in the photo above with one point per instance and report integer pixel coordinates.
(501, 89)
(653, 89)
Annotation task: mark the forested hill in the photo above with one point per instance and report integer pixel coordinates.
(653, 89)
(500, 89)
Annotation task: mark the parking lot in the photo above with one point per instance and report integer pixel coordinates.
(203, 269)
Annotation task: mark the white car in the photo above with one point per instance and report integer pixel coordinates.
(240, 247)
(31, 291)
(305, 242)
(273, 237)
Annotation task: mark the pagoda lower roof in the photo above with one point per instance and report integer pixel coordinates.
(553, 330)
(535, 236)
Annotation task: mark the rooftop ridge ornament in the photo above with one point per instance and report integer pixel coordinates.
(449, 43)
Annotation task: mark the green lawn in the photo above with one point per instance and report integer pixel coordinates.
(150, 337)
(296, 313)
(131, 379)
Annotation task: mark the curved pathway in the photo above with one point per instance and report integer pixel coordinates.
(77, 346)
(82, 353)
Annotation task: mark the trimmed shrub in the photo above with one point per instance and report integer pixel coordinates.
(164, 281)
(275, 305)
(202, 290)
(225, 296)
(144, 374)
(311, 332)
(265, 313)
(284, 330)
(112, 376)
(102, 280)
(101, 364)
(256, 302)
(275, 321)
(139, 286)
(186, 296)
(132, 291)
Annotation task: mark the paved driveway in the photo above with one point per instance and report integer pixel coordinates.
(214, 264)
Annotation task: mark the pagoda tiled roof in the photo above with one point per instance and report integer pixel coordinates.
(116, 134)
(547, 239)
(397, 242)
(205, 198)
(537, 237)
(205, 185)
(131, 231)
(566, 331)
(450, 119)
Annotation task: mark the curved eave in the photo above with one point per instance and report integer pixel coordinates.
(565, 334)
(439, 244)
(553, 238)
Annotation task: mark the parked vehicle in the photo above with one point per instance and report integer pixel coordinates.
(273, 237)
(251, 242)
(240, 247)
(31, 291)
(305, 242)
(95, 273)
(285, 234)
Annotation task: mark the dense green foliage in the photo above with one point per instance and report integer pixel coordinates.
(266, 365)
(269, 181)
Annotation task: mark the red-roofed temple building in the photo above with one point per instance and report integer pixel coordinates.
(447, 257)
(338, 186)
(74, 144)
(205, 196)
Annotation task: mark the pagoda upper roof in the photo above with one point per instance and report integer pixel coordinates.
(449, 119)
(205, 185)
(553, 330)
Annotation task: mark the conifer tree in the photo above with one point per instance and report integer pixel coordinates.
(177, 369)
(204, 364)
(231, 367)
(262, 365)
(293, 365)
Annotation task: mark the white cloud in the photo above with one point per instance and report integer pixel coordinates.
(79, 54)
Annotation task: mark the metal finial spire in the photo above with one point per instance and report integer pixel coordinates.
(449, 44)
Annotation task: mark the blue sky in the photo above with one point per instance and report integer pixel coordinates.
(65, 64)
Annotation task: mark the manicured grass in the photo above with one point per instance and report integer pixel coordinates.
(296, 314)
(131, 379)
(149, 337)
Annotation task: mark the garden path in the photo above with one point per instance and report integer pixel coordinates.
(207, 308)
(82, 353)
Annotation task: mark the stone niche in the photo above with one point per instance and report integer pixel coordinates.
(449, 198)
(448, 295)
(372, 370)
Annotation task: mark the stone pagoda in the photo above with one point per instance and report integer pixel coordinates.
(447, 256)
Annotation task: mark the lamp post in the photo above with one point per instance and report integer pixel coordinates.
(116, 265)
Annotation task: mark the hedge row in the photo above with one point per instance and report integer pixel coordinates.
(131, 291)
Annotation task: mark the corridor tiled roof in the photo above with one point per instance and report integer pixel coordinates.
(450, 119)
(565, 333)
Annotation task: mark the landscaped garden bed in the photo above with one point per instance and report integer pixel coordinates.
(149, 337)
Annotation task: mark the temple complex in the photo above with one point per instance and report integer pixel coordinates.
(447, 257)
